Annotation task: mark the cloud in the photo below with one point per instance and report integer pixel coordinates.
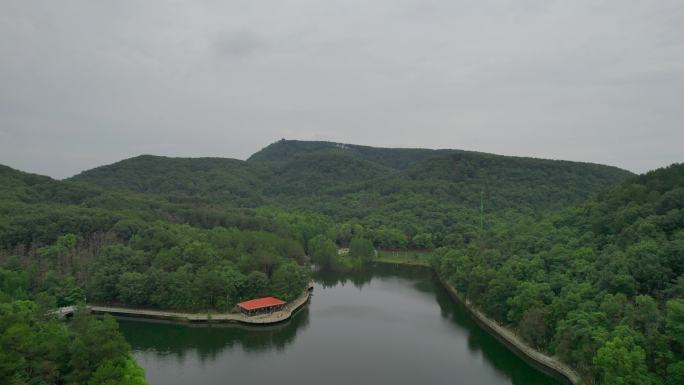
(239, 44)
(87, 83)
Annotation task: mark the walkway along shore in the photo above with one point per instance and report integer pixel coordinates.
(550, 365)
(515, 343)
(263, 319)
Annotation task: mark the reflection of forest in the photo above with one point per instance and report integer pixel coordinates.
(360, 278)
(479, 340)
(210, 341)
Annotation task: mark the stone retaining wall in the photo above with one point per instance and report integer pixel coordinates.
(508, 337)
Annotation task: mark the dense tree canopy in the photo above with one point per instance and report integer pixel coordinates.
(598, 285)
(36, 348)
(596, 282)
(399, 193)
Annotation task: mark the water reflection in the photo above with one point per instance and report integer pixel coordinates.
(329, 279)
(480, 341)
(208, 342)
(390, 324)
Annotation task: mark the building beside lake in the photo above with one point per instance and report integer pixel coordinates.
(261, 306)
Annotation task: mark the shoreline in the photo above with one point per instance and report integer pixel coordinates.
(401, 263)
(510, 339)
(548, 364)
(200, 318)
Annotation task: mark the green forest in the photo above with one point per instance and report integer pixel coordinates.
(583, 261)
(598, 285)
(38, 348)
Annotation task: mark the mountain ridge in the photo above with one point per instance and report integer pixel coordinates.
(286, 148)
(346, 181)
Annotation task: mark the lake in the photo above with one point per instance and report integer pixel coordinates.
(390, 325)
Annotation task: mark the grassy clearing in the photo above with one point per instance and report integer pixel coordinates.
(405, 257)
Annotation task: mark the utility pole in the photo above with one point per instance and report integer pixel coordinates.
(481, 209)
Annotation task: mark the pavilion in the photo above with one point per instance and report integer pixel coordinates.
(261, 306)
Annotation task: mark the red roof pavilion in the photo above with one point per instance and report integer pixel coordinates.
(260, 303)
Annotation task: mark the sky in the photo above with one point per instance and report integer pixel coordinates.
(90, 82)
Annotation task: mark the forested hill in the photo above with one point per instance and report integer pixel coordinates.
(287, 171)
(209, 179)
(599, 285)
(397, 158)
(587, 284)
(405, 191)
(36, 209)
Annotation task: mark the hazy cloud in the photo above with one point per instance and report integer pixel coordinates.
(238, 44)
(86, 83)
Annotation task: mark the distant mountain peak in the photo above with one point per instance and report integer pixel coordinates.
(289, 172)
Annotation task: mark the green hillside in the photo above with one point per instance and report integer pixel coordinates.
(205, 179)
(35, 210)
(584, 261)
(32, 188)
(397, 158)
(288, 170)
(320, 173)
(73, 239)
(598, 285)
(410, 191)
(64, 241)
(510, 182)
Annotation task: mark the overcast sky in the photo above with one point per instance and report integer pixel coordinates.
(86, 83)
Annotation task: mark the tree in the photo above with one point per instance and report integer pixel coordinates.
(578, 337)
(132, 287)
(255, 285)
(675, 373)
(675, 320)
(55, 254)
(109, 265)
(32, 348)
(362, 250)
(621, 361)
(67, 291)
(530, 295)
(533, 327)
(101, 339)
(212, 288)
(322, 251)
(36, 349)
(614, 306)
(423, 241)
(499, 289)
(289, 280)
(13, 284)
(344, 234)
(118, 373)
(389, 238)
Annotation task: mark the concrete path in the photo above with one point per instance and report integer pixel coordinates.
(511, 339)
(263, 319)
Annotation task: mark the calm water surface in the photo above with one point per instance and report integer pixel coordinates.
(391, 325)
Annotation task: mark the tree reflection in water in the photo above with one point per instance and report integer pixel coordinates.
(208, 341)
(347, 323)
